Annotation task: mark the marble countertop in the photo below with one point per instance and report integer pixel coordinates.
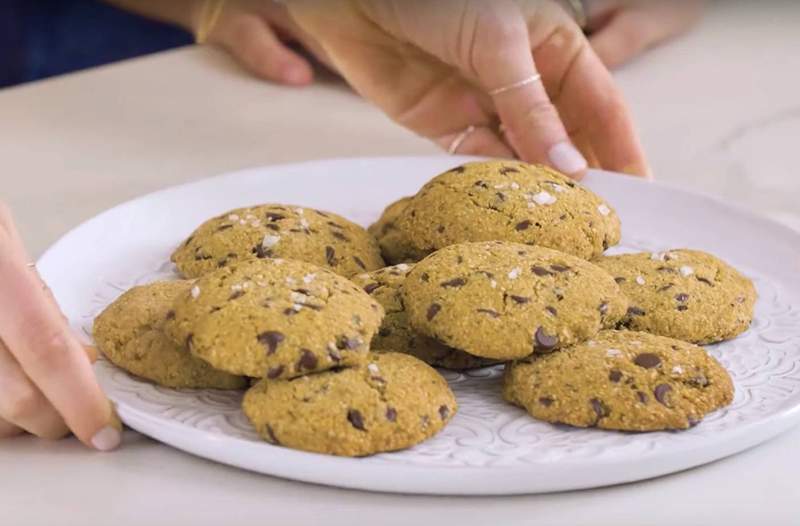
(719, 112)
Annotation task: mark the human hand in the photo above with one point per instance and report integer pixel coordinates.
(47, 385)
(440, 68)
(620, 30)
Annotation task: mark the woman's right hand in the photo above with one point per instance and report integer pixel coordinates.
(47, 384)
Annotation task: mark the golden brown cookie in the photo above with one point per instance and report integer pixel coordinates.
(623, 380)
(509, 201)
(275, 318)
(279, 231)
(395, 247)
(684, 294)
(129, 333)
(394, 401)
(503, 300)
(396, 334)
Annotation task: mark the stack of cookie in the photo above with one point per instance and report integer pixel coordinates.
(493, 262)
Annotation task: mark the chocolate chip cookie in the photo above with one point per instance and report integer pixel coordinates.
(280, 231)
(275, 318)
(503, 300)
(509, 201)
(129, 333)
(395, 334)
(621, 380)
(394, 401)
(683, 294)
(395, 247)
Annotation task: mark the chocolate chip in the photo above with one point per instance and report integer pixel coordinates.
(560, 268)
(261, 252)
(391, 414)
(458, 170)
(636, 311)
(523, 225)
(307, 361)
(330, 255)
(599, 408)
(551, 310)
(541, 271)
(272, 216)
(505, 170)
(520, 300)
(344, 342)
(481, 184)
(668, 270)
(444, 412)
(170, 315)
(323, 214)
(546, 401)
(359, 262)
(433, 310)
(271, 340)
(682, 297)
(453, 283)
(355, 419)
(661, 391)
(425, 277)
(274, 372)
(647, 360)
(615, 376)
(603, 308)
(699, 380)
(289, 312)
(620, 279)
(704, 280)
(271, 434)
(440, 229)
(643, 398)
(273, 226)
(369, 288)
(489, 312)
(338, 235)
(666, 287)
(682, 308)
(224, 227)
(544, 342)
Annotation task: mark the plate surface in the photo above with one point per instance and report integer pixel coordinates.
(489, 447)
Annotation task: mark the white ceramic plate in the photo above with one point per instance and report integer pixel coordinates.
(489, 447)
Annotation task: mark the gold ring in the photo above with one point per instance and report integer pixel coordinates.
(459, 140)
(516, 85)
(210, 11)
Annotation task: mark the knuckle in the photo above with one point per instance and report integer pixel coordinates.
(541, 114)
(47, 345)
(21, 403)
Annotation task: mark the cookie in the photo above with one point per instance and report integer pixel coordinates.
(280, 231)
(395, 247)
(129, 333)
(396, 335)
(683, 294)
(622, 380)
(509, 201)
(503, 300)
(393, 402)
(275, 318)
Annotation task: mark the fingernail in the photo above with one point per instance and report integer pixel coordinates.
(106, 439)
(295, 75)
(567, 159)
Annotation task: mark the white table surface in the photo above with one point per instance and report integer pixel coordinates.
(718, 110)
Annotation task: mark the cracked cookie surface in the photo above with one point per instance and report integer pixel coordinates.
(275, 318)
(278, 231)
(509, 201)
(395, 333)
(684, 294)
(504, 301)
(129, 334)
(394, 401)
(621, 380)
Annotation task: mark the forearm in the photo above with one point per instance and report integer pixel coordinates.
(182, 13)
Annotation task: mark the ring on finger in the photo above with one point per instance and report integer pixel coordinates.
(516, 85)
(459, 140)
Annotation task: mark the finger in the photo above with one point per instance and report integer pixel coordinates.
(43, 346)
(8, 430)
(253, 42)
(593, 108)
(23, 405)
(479, 141)
(501, 57)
